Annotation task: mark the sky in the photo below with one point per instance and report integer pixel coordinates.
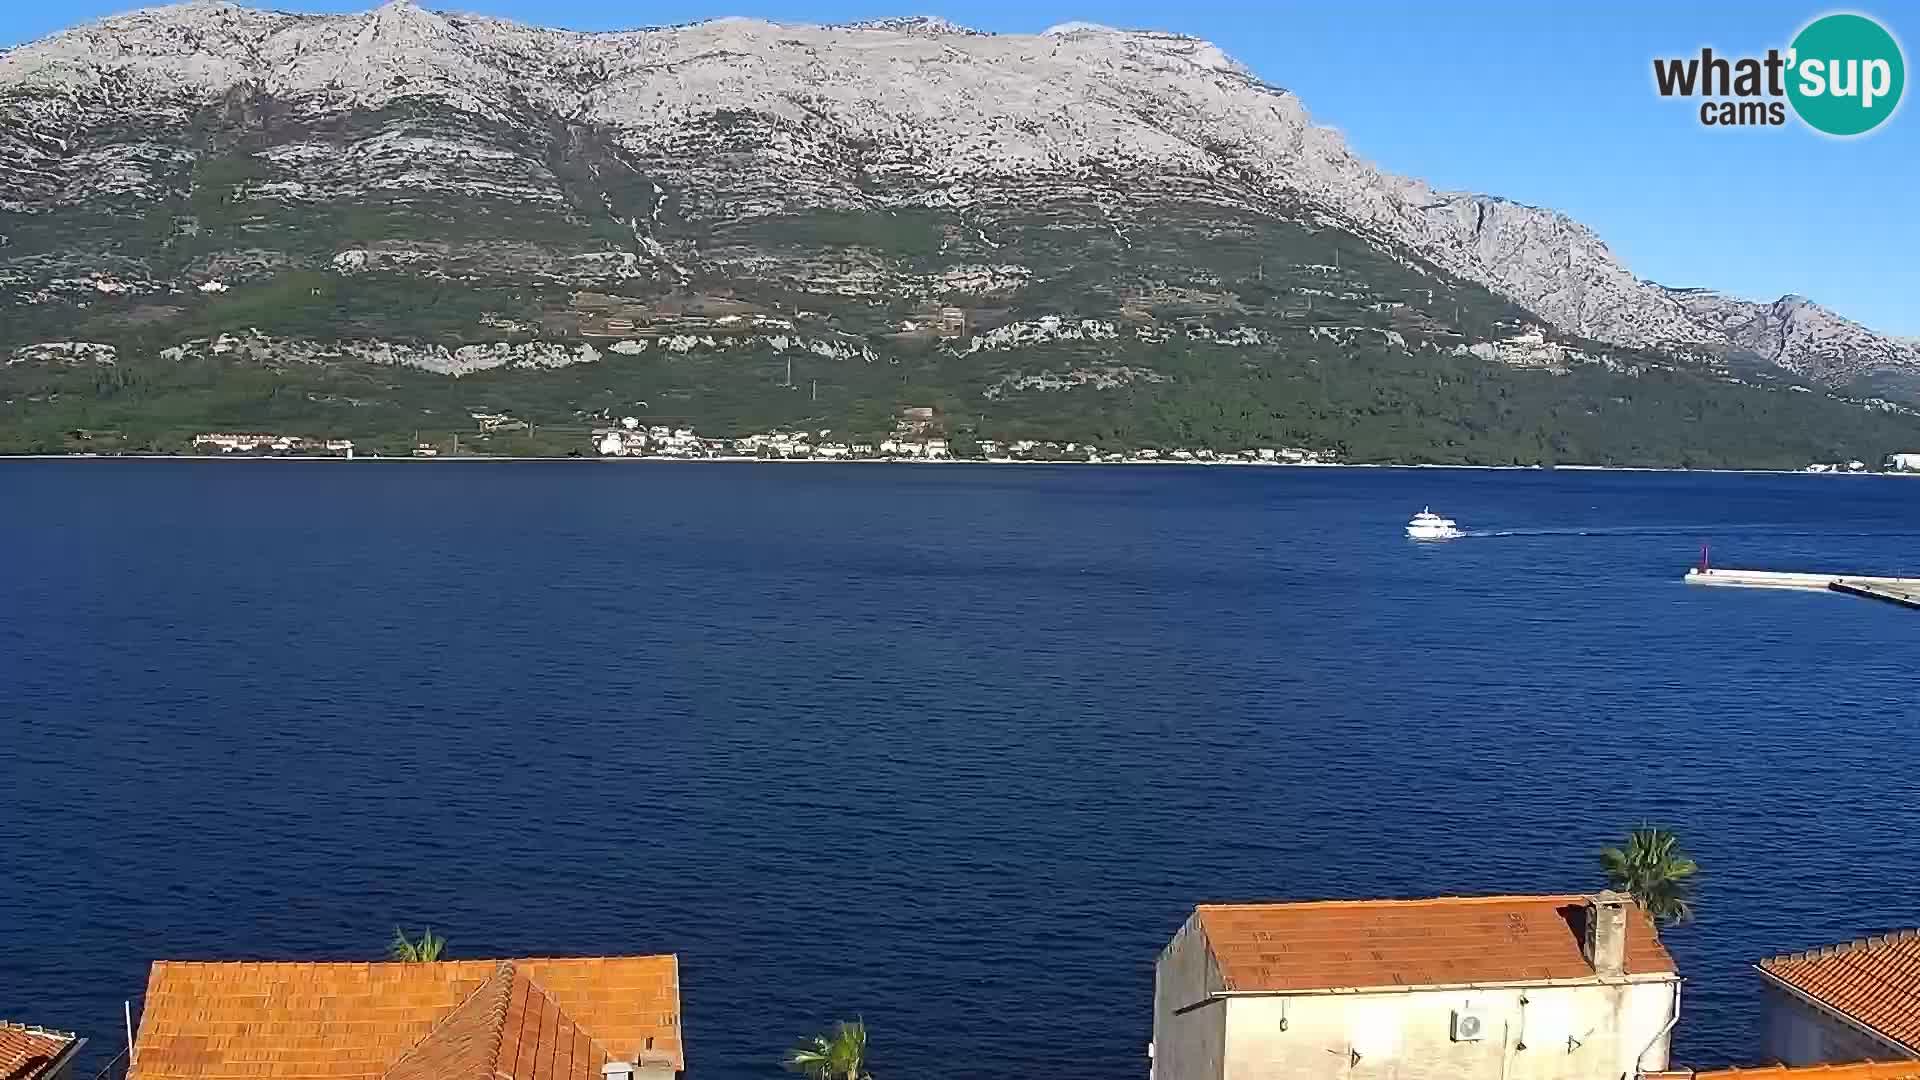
(1549, 104)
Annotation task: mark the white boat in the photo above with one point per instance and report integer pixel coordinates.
(1427, 525)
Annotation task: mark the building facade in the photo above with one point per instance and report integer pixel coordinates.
(1854, 1002)
(1481, 988)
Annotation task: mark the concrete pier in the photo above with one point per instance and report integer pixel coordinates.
(1904, 591)
(1906, 595)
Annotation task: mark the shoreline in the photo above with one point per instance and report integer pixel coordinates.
(743, 460)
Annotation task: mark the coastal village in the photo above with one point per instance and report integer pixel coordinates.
(1514, 987)
(911, 441)
(918, 434)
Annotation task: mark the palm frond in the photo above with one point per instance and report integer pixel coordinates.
(1652, 869)
(425, 950)
(841, 1055)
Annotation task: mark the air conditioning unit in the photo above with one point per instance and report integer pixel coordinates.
(1468, 1026)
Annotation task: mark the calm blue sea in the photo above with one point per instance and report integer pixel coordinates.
(952, 748)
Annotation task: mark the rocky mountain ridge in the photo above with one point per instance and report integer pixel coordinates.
(380, 226)
(936, 112)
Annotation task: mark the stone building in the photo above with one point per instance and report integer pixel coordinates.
(1854, 1002)
(1458, 988)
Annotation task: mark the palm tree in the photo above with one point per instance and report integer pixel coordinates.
(840, 1056)
(425, 950)
(1651, 867)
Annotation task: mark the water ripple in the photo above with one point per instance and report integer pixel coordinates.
(955, 749)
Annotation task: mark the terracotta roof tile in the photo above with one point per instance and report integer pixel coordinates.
(27, 1052)
(631, 1004)
(466, 1043)
(508, 1028)
(540, 1019)
(1344, 944)
(1859, 1070)
(1874, 981)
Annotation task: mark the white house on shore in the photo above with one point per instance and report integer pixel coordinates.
(1457, 988)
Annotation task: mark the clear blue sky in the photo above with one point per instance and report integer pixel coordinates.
(1550, 104)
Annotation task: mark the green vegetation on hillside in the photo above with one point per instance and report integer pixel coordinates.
(1368, 405)
(560, 234)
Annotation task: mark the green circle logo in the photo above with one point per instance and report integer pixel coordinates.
(1846, 74)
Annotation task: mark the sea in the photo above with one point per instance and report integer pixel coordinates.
(953, 749)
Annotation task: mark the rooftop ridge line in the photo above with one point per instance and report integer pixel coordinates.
(534, 987)
(36, 1029)
(1407, 901)
(1859, 944)
(367, 964)
(385, 964)
(500, 968)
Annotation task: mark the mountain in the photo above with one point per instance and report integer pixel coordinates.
(217, 216)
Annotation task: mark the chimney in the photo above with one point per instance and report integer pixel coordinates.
(1605, 942)
(644, 1066)
(653, 1067)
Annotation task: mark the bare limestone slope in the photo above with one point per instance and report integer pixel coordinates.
(898, 112)
(391, 225)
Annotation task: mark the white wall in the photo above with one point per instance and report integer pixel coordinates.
(1797, 1033)
(1189, 1029)
(1588, 1032)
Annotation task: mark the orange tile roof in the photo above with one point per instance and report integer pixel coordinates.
(1342, 944)
(467, 1041)
(1874, 981)
(1859, 1070)
(27, 1052)
(539, 1019)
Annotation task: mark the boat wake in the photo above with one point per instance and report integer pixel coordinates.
(1680, 530)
